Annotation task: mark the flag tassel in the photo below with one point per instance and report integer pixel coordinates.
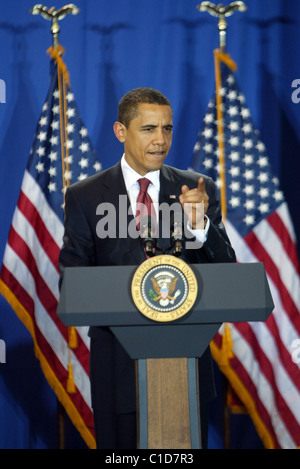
(227, 347)
(73, 341)
(71, 389)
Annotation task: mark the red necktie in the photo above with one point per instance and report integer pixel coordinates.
(144, 202)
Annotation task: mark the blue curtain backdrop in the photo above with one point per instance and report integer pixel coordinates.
(111, 47)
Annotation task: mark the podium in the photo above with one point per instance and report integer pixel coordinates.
(166, 353)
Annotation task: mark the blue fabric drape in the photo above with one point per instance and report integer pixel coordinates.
(111, 47)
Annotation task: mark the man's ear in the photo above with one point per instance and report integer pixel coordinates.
(120, 131)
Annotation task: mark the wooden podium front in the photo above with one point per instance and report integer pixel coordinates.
(168, 403)
(166, 354)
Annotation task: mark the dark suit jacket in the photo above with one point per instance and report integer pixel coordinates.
(112, 371)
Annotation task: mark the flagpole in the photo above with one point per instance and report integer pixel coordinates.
(221, 12)
(55, 16)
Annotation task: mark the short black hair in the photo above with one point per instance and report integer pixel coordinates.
(128, 105)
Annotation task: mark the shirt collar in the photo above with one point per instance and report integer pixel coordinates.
(131, 176)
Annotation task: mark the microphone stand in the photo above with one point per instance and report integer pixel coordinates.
(150, 243)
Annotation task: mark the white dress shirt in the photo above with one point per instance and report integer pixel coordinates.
(131, 178)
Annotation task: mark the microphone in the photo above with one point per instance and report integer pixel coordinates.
(177, 236)
(147, 230)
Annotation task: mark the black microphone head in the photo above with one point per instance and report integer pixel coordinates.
(147, 230)
(177, 231)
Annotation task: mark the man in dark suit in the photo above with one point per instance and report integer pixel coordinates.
(94, 236)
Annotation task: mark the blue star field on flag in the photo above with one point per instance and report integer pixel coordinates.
(252, 191)
(45, 163)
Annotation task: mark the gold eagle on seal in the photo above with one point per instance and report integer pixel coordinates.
(164, 291)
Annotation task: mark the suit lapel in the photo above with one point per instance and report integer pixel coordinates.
(114, 186)
(170, 189)
(116, 194)
(170, 185)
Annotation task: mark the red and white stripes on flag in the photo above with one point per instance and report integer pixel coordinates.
(30, 275)
(29, 281)
(262, 370)
(259, 359)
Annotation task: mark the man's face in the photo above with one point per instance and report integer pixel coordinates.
(147, 139)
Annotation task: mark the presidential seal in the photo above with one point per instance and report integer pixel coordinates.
(164, 288)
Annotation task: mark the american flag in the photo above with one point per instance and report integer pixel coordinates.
(261, 362)
(30, 275)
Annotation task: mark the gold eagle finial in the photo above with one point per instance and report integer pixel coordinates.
(54, 15)
(221, 12)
